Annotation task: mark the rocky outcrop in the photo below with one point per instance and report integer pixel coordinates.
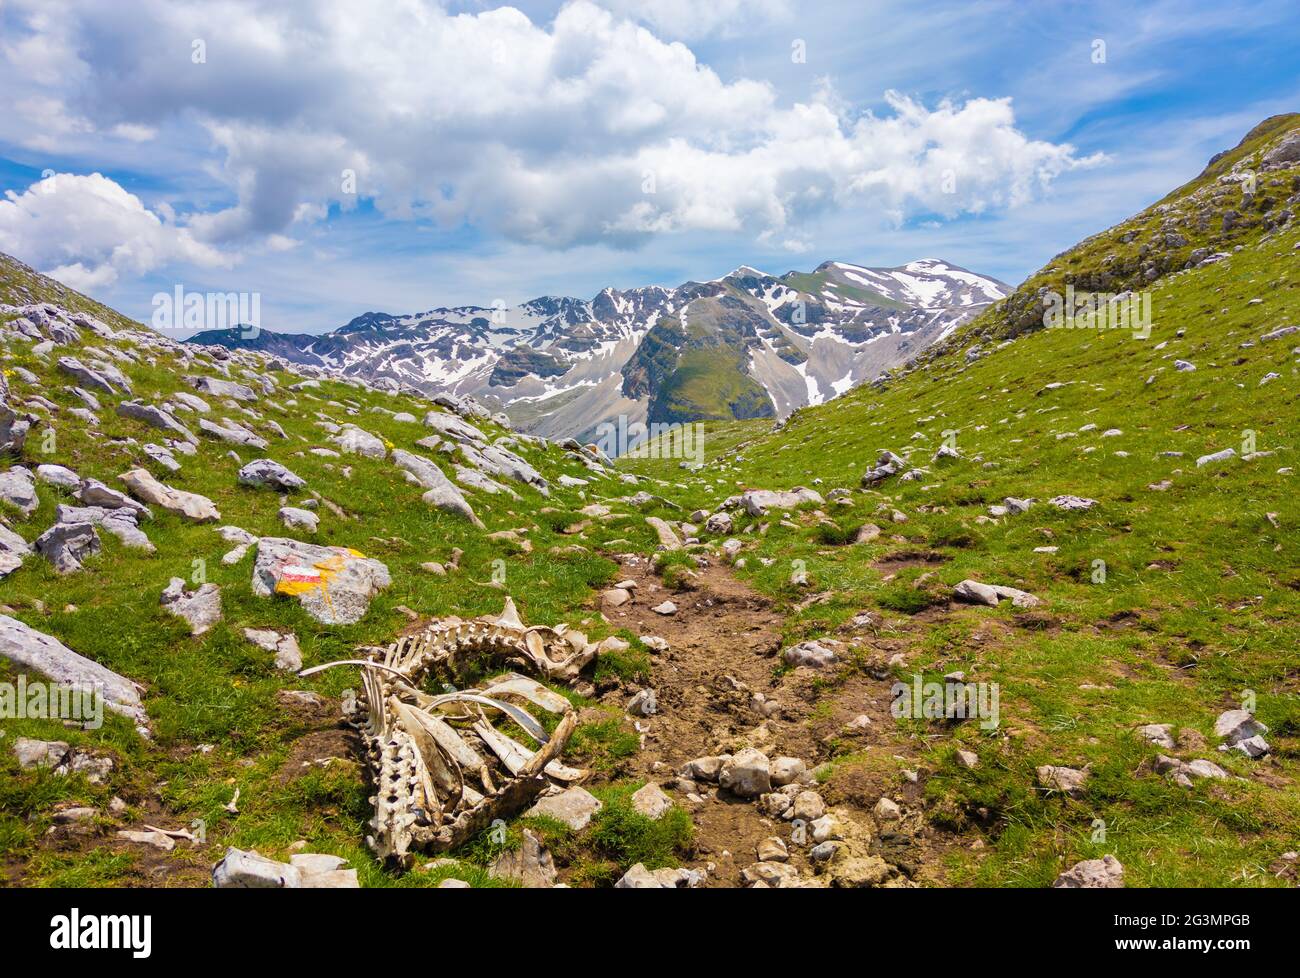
(29, 649)
(333, 584)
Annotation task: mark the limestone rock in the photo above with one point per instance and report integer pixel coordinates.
(756, 502)
(58, 475)
(815, 654)
(1066, 780)
(285, 646)
(358, 441)
(574, 807)
(298, 519)
(188, 505)
(66, 545)
(1106, 873)
(18, 489)
(269, 474)
(651, 801)
(29, 649)
(746, 774)
(200, 607)
(333, 584)
(530, 865)
(667, 537)
(221, 388)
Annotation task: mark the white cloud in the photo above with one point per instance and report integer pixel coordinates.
(86, 230)
(691, 19)
(545, 134)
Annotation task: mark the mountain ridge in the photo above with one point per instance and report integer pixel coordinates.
(747, 344)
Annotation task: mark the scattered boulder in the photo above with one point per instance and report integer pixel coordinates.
(887, 464)
(574, 807)
(531, 865)
(285, 646)
(442, 492)
(1071, 504)
(1160, 734)
(299, 519)
(66, 545)
(756, 502)
(200, 607)
(358, 441)
(973, 592)
(155, 417)
(640, 878)
(667, 537)
(719, 524)
(816, 654)
(58, 475)
(18, 489)
(269, 474)
(188, 505)
(1240, 730)
(29, 649)
(32, 753)
(788, 770)
(233, 433)
(1213, 457)
(746, 774)
(122, 523)
(651, 801)
(333, 584)
(216, 387)
(1067, 780)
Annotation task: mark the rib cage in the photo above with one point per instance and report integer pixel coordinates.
(442, 771)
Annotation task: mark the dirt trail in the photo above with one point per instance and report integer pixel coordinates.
(717, 689)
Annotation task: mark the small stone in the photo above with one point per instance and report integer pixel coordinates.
(251, 870)
(787, 770)
(531, 865)
(1106, 873)
(651, 801)
(1160, 734)
(201, 607)
(574, 807)
(1067, 780)
(887, 810)
(747, 774)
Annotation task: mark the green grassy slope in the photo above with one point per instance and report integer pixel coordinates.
(1198, 608)
(218, 723)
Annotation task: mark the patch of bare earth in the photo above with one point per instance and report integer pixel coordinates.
(715, 686)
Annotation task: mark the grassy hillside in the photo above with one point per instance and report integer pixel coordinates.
(219, 723)
(1175, 598)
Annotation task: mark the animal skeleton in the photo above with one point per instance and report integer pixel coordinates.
(442, 771)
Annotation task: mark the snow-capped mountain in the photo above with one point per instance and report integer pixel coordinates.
(748, 344)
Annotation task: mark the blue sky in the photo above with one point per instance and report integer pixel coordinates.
(503, 153)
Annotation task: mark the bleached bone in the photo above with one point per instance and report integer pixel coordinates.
(424, 749)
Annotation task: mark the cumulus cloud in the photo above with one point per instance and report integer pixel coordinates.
(691, 19)
(86, 230)
(591, 129)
